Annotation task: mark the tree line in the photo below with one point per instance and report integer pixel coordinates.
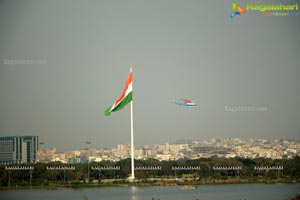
(202, 169)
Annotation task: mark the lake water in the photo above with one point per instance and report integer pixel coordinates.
(203, 192)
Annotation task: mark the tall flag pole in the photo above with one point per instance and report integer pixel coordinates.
(132, 145)
(122, 101)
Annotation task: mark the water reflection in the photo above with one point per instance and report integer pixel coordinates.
(133, 193)
(204, 192)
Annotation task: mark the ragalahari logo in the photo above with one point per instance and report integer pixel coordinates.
(236, 10)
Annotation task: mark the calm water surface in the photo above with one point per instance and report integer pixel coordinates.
(205, 192)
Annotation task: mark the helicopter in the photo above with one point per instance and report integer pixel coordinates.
(185, 102)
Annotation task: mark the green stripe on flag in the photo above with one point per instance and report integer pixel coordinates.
(120, 106)
(107, 111)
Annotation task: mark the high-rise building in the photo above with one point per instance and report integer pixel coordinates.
(18, 149)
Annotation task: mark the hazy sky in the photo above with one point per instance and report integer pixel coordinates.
(82, 50)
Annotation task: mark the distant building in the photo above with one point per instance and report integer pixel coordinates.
(46, 155)
(122, 147)
(78, 159)
(18, 149)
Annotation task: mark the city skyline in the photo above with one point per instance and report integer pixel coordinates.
(92, 145)
(62, 66)
(214, 143)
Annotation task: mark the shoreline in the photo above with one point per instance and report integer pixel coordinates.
(140, 183)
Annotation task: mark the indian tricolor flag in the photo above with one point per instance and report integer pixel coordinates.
(124, 99)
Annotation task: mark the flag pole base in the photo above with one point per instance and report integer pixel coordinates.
(131, 180)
